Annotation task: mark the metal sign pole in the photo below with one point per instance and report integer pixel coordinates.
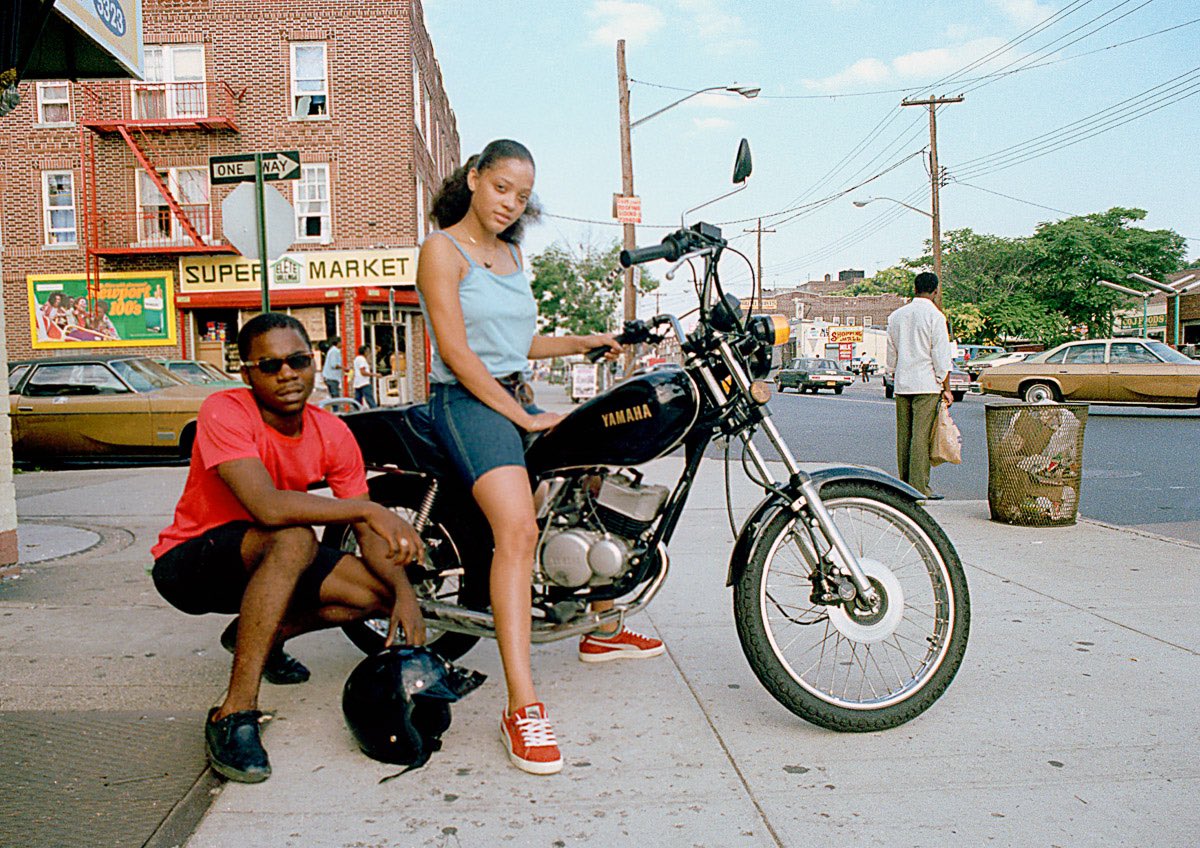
(261, 214)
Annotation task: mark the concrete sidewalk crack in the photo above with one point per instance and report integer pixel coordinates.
(1084, 610)
(762, 814)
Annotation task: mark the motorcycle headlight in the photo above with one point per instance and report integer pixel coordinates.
(771, 330)
(726, 314)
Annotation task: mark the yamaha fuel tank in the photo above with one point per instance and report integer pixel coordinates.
(642, 418)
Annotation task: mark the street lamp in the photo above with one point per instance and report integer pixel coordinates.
(630, 233)
(861, 203)
(1171, 290)
(1145, 296)
(937, 239)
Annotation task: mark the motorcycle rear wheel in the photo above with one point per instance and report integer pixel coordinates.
(443, 549)
(840, 671)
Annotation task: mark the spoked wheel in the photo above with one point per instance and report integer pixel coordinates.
(850, 669)
(443, 552)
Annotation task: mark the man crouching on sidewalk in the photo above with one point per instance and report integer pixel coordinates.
(242, 539)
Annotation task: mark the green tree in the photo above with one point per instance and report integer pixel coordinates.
(894, 280)
(1072, 254)
(574, 290)
(1043, 287)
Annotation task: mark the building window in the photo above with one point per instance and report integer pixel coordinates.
(422, 225)
(851, 320)
(156, 223)
(416, 95)
(311, 199)
(310, 80)
(58, 207)
(54, 102)
(427, 127)
(866, 321)
(174, 85)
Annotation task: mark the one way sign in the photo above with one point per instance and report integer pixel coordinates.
(239, 167)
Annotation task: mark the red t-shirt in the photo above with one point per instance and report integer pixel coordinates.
(230, 427)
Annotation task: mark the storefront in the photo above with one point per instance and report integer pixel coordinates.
(363, 296)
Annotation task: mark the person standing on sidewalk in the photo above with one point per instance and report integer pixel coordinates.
(333, 369)
(477, 300)
(242, 539)
(364, 372)
(918, 357)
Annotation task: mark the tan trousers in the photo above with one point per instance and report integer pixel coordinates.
(914, 427)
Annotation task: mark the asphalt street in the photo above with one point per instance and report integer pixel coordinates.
(1140, 468)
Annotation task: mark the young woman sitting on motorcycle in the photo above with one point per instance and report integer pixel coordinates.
(478, 302)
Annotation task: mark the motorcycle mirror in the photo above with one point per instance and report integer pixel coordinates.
(742, 165)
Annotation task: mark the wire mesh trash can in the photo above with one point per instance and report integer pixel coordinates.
(1035, 462)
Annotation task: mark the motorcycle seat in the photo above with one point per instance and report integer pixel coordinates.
(400, 436)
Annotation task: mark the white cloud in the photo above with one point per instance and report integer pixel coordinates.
(1024, 12)
(919, 66)
(721, 30)
(617, 19)
(942, 60)
(864, 71)
(712, 123)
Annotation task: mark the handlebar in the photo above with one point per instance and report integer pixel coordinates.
(666, 250)
(635, 332)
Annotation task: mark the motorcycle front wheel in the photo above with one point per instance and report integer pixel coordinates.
(843, 668)
(444, 552)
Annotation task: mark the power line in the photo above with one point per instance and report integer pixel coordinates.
(1010, 197)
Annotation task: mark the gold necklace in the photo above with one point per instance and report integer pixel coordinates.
(486, 263)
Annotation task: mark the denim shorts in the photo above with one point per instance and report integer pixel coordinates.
(475, 437)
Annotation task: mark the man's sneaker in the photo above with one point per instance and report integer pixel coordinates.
(622, 645)
(281, 668)
(235, 748)
(528, 737)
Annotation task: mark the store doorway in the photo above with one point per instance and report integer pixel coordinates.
(389, 332)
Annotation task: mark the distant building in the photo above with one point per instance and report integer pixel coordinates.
(108, 201)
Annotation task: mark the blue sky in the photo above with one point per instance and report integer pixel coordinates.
(832, 75)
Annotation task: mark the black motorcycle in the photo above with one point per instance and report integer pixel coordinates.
(850, 601)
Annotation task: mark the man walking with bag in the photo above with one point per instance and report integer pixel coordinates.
(918, 358)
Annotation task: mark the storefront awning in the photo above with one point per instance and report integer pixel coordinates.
(71, 39)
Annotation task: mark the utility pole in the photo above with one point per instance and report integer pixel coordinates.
(758, 278)
(935, 178)
(626, 187)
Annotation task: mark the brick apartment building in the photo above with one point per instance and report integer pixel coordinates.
(113, 233)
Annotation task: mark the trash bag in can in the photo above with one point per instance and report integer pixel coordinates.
(1035, 462)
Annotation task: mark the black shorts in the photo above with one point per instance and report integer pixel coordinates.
(206, 574)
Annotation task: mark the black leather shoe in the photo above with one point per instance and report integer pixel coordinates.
(281, 668)
(235, 748)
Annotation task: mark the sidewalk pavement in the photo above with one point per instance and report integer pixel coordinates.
(1072, 721)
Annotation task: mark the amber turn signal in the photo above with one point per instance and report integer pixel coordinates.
(770, 329)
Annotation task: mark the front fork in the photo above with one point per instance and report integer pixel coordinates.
(841, 556)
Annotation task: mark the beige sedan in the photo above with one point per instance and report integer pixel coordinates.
(1134, 372)
(70, 408)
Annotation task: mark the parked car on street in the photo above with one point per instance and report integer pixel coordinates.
(200, 373)
(1131, 371)
(960, 384)
(813, 374)
(66, 408)
(978, 365)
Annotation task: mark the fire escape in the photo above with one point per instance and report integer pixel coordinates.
(169, 214)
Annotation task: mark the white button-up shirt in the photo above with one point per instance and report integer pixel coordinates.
(918, 352)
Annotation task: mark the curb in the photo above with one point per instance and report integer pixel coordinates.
(183, 819)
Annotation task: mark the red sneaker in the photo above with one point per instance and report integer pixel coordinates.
(528, 737)
(622, 645)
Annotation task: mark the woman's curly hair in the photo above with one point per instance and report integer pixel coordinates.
(453, 198)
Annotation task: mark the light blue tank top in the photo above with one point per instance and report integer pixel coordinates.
(500, 314)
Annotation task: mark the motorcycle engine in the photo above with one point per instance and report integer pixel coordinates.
(590, 537)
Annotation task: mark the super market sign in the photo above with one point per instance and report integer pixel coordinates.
(308, 270)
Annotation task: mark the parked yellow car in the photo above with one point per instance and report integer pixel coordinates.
(66, 408)
(1134, 372)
